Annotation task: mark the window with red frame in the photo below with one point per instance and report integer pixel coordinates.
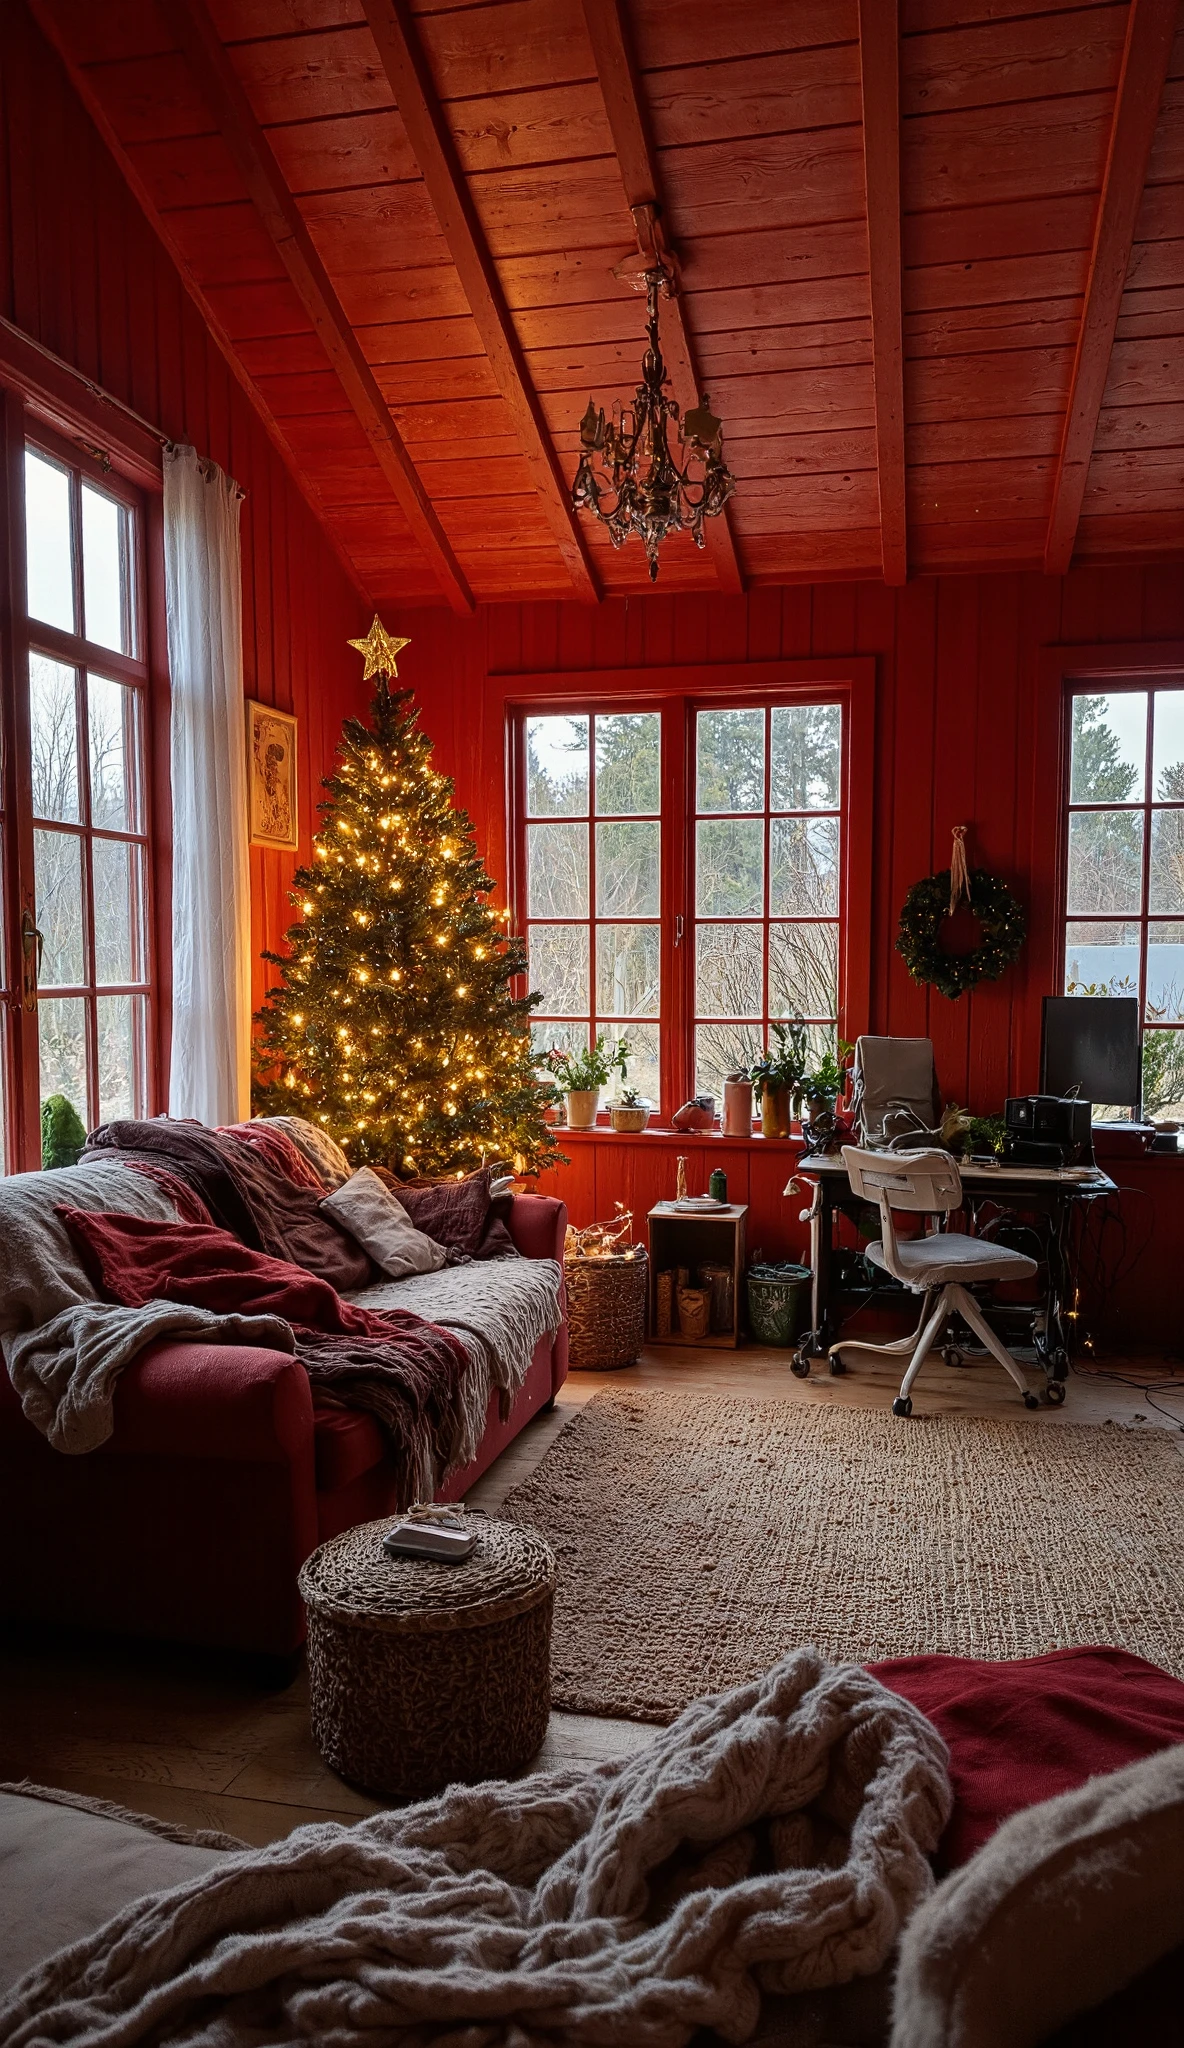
(76, 826)
(683, 879)
(1124, 909)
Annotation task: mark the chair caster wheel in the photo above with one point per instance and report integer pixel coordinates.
(837, 1367)
(1031, 1401)
(903, 1405)
(952, 1356)
(799, 1365)
(1056, 1392)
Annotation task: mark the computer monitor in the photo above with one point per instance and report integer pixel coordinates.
(1089, 1046)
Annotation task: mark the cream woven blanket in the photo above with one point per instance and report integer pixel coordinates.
(772, 1838)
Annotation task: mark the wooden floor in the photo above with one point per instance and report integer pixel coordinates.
(188, 1737)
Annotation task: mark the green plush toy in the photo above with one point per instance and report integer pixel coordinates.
(63, 1133)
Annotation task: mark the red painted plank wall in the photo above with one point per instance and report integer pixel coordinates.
(958, 689)
(82, 272)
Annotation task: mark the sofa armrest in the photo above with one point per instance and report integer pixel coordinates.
(538, 1226)
(233, 1402)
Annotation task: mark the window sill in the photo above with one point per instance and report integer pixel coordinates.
(661, 1134)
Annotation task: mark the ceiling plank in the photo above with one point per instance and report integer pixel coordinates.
(405, 63)
(191, 23)
(628, 120)
(879, 60)
(1145, 57)
(42, 12)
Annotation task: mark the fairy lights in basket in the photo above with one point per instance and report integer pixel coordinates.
(603, 1240)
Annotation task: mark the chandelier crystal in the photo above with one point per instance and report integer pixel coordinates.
(628, 459)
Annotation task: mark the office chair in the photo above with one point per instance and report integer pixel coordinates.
(894, 1092)
(946, 1264)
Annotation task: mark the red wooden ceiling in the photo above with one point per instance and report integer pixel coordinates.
(756, 109)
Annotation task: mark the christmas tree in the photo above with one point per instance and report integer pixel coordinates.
(395, 1025)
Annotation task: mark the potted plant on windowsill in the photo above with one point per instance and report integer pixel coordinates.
(827, 1080)
(777, 1077)
(630, 1112)
(580, 1076)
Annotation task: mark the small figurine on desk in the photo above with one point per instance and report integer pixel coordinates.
(680, 1186)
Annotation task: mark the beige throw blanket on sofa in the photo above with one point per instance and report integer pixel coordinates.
(64, 1348)
(774, 1838)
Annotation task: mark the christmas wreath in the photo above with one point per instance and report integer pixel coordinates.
(1001, 917)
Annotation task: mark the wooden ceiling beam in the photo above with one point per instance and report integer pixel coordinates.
(628, 119)
(1147, 50)
(190, 22)
(42, 13)
(879, 67)
(403, 58)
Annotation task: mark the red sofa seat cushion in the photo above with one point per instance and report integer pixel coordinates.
(346, 1443)
(1022, 1732)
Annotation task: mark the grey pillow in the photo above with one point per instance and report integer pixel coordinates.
(381, 1225)
(63, 1872)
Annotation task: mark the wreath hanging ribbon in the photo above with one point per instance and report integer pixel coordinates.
(1000, 915)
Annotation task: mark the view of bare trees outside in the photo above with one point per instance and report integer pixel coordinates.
(1125, 905)
(765, 899)
(593, 847)
(768, 784)
(86, 771)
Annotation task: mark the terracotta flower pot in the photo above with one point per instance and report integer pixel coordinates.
(582, 1105)
(775, 1112)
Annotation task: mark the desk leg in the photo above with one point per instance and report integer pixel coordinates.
(816, 1341)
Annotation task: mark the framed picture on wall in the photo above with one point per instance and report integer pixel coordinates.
(271, 775)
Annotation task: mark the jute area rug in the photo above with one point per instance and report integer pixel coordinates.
(700, 1536)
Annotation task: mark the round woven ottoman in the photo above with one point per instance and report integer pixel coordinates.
(423, 1673)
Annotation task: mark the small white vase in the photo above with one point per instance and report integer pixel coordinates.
(582, 1105)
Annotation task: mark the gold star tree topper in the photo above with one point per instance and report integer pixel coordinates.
(379, 648)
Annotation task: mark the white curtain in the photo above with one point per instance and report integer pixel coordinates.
(210, 1074)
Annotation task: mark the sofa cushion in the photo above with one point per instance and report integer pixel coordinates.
(346, 1443)
(461, 1214)
(1022, 1732)
(65, 1870)
(375, 1216)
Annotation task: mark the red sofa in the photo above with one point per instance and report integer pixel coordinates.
(222, 1475)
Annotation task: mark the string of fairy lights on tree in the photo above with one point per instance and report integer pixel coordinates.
(395, 1025)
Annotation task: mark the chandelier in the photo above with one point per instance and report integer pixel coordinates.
(628, 459)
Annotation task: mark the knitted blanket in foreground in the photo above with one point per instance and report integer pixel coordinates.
(773, 1838)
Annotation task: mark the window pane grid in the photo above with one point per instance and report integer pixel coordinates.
(778, 974)
(593, 866)
(1124, 928)
(88, 775)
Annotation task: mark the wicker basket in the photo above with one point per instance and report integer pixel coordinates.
(694, 1311)
(423, 1673)
(606, 1310)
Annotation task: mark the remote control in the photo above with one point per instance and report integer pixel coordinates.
(430, 1539)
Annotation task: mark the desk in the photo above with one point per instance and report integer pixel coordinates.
(1027, 1187)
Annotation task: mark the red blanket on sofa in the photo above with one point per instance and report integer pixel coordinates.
(403, 1370)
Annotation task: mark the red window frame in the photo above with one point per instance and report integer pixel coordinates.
(593, 818)
(765, 918)
(42, 404)
(1148, 684)
(679, 694)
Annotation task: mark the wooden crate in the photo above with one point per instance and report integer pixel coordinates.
(679, 1237)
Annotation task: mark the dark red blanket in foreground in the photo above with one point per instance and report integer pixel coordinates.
(404, 1371)
(1025, 1731)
